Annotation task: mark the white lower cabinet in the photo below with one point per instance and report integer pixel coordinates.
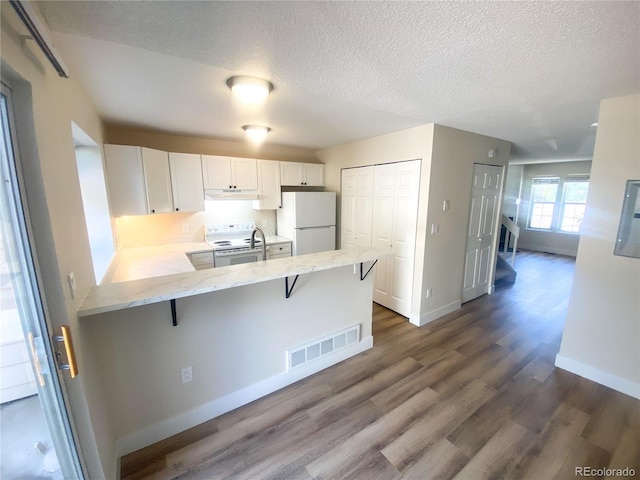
(278, 250)
(380, 209)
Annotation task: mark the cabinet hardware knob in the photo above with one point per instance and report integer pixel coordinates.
(153, 211)
(177, 209)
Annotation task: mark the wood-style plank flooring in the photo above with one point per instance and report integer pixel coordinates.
(472, 395)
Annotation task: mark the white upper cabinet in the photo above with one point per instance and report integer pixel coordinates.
(301, 174)
(229, 173)
(158, 180)
(186, 182)
(269, 197)
(125, 180)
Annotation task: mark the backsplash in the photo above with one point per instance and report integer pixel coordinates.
(163, 228)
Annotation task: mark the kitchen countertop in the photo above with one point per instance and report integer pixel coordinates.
(136, 263)
(127, 294)
(145, 262)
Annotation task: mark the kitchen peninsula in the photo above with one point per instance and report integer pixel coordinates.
(243, 336)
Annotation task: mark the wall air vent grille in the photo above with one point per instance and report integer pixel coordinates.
(322, 346)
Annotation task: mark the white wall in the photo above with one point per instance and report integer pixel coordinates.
(454, 154)
(601, 339)
(234, 339)
(163, 228)
(512, 188)
(45, 107)
(553, 242)
(411, 144)
(447, 157)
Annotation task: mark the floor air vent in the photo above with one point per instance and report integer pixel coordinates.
(322, 346)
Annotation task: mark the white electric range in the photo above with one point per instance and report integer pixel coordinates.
(231, 243)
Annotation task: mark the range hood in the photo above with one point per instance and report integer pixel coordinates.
(230, 194)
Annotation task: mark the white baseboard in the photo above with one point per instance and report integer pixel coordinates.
(435, 314)
(599, 376)
(171, 426)
(547, 249)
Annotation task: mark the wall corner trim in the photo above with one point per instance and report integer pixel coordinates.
(165, 428)
(599, 376)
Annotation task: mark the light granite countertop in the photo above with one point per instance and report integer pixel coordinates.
(136, 263)
(127, 294)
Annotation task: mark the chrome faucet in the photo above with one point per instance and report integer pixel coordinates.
(252, 243)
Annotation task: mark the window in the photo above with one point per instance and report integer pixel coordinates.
(574, 202)
(543, 199)
(558, 203)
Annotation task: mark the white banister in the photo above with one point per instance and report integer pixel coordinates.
(513, 231)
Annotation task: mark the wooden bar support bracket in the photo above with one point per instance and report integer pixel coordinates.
(288, 290)
(174, 316)
(362, 277)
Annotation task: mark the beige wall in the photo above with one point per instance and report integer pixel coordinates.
(454, 154)
(169, 142)
(234, 339)
(553, 242)
(411, 144)
(602, 333)
(45, 105)
(447, 157)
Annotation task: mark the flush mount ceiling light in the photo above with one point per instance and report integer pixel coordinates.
(250, 89)
(256, 133)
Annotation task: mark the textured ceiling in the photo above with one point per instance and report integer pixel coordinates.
(529, 72)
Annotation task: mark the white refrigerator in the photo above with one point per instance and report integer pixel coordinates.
(309, 220)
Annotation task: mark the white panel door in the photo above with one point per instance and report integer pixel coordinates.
(186, 182)
(348, 210)
(395, 210)
(357, 206)
(405, 219)
(483, 211)
(158, 180)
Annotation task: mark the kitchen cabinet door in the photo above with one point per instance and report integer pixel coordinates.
(125, 180)
(229, 173)
(269, 197)
(216, 172)
(158, 180)
(313, 175)
(293, 174)
(186, 182)
(244, 173)
(290, 174)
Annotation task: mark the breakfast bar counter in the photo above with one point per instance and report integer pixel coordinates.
(127, 294)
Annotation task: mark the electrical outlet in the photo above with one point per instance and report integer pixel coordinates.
(185, 228)
(187, 374)
(445, 205)
(435, 228)
(429, 293)
(72, 284)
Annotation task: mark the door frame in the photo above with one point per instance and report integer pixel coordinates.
(53, 396)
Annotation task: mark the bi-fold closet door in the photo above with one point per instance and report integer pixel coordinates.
(380, 209)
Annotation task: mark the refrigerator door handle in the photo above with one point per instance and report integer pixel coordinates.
(315, 228)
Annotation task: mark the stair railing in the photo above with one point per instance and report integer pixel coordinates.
(513, 232)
